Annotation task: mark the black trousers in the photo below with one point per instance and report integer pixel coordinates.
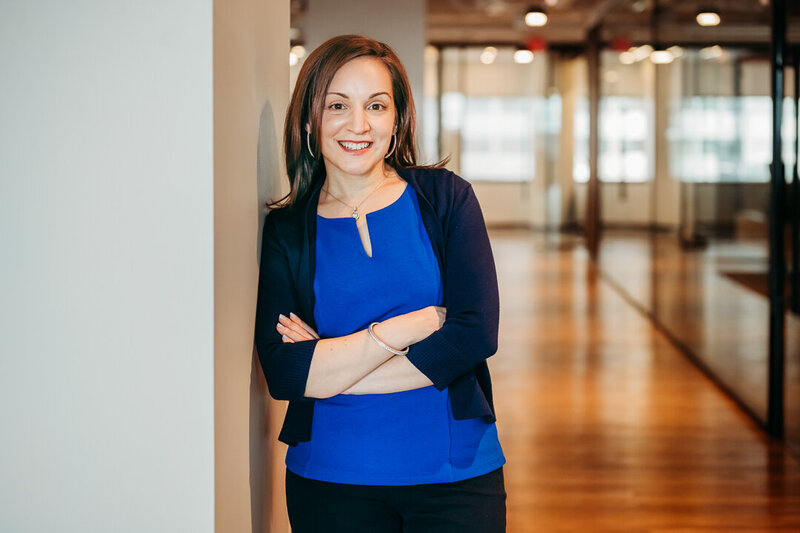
(476, 505)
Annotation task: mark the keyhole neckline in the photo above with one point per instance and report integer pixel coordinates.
(350, 217)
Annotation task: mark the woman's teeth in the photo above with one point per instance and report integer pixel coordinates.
(354, 146)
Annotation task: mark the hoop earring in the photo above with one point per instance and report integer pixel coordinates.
(308, 144)
(394, 145)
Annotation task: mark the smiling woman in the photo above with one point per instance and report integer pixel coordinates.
(357, 126)
(377, 310)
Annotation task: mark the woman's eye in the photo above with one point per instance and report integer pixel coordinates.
(336, 107)
(377, 106)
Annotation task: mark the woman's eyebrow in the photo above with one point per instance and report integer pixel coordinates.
(370, 96)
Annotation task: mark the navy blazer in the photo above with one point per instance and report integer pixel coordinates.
(454, 356)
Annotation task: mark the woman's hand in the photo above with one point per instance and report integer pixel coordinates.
(293, 329)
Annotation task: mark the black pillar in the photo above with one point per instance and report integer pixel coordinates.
(777, 261)
(593, 192)
(795, 203)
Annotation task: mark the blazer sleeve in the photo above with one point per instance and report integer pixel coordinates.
(285, 364)
(469, 333)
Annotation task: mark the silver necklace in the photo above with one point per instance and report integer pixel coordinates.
(355, 213)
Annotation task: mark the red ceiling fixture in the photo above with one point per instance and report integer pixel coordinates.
(537, 44)
(620, 44)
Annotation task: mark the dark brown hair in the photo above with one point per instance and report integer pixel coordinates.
(308, 102)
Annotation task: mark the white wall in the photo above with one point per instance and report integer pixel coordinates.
(251, 89)
(106, 276)
(400, 24)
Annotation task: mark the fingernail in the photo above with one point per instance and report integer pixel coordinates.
(284, 337)
(292, 315)
(281, 316)
(280, 326)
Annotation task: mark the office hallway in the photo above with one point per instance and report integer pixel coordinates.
(606, 426)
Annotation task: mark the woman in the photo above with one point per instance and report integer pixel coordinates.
(377, 310)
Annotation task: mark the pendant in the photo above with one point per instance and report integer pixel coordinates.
(355, 213)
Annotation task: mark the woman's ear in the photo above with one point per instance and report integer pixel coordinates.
(308, 127)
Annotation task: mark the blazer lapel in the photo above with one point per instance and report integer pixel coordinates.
(429, 216)
(307, 263)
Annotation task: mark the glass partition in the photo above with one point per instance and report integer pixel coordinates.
(792, 240)
(626, 124)
(700, 266)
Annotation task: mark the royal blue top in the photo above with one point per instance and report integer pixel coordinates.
(402, 438)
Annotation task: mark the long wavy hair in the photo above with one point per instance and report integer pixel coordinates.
(306, 173)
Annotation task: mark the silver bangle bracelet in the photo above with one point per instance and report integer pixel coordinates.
(382, 344)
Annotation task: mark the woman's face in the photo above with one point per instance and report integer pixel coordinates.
(359, 118)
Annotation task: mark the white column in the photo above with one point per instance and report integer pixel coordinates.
(137, 142)
(106, 205)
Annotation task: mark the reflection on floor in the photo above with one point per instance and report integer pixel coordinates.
(706, 299)
(716, 319)
(692, 295)
(606, 426)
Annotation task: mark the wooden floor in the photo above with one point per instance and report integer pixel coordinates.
(696, 295)
(606, 426)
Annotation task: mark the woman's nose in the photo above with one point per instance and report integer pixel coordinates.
(359, 122)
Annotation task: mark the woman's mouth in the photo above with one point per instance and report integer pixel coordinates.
(355, 146)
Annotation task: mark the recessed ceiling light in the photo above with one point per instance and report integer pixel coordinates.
(488, 55)
(712, 52)
(661, 57)
(641, 52)
(535, 17)
(676, 51)
(523, 56)
(708, 17)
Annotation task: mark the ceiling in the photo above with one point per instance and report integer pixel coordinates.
(483, 22)
(501, 21)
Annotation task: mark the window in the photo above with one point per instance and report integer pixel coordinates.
(625, 126)
(497, 122)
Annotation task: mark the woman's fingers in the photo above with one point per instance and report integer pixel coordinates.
(296, 319)
(289, 335)
(292, 330)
